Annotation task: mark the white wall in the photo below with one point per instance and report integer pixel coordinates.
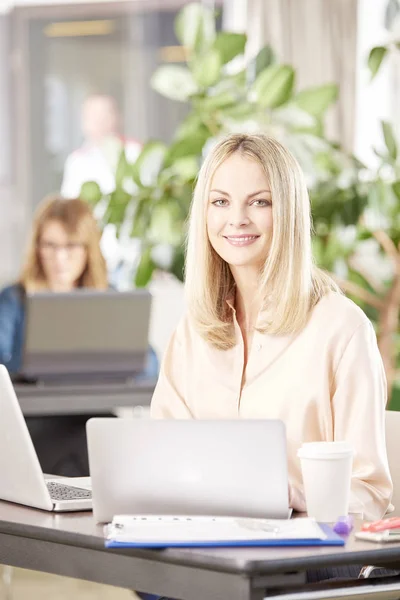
(9, 206)
(5, 130)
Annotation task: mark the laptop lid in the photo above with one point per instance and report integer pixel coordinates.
(21, 476)
(86, 332)
(221, 468)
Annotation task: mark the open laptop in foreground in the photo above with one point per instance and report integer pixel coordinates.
(21, 476)
(180, 467)
(85, 336)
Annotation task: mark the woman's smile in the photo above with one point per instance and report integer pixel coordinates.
(241, 240)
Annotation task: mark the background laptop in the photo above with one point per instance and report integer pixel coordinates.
(21, 476)
(232, 468)
(86, 334)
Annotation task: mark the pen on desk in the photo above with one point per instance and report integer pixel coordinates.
(392, 523)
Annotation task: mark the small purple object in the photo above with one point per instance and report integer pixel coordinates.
(344, 525)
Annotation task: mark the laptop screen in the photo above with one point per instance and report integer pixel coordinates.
(86, 332)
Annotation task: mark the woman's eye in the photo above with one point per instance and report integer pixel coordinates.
(262, 202)
(220, 202)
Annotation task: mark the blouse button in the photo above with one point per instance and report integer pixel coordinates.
(259, 346)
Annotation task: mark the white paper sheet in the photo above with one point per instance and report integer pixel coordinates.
(175, 529)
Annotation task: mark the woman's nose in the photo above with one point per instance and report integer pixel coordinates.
(61, 256)
(239, 218)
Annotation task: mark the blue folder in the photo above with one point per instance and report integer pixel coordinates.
(332, 539)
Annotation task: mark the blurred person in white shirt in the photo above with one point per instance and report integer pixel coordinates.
(97, 158)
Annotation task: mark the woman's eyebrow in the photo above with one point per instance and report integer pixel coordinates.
(219, 192)
(249, 196)
(259, 192)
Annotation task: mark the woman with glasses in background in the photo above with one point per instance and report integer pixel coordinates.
(63, 254)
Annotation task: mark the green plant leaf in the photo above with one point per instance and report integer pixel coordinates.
(219, 101)
(317, 99)
(274, 86)
(206, 68)
(120, 196)
(363, 234)
(91, 192)
(178, 263)
(192, 127)
(376, 215)
(117, 205)
(166, 225)
(394, 400)
(396, 189)
(390, 140)
(264, 59)
(186, 168)
(188, 146)
(236, 81)
(229, 45)
(375, 59)
(123, 169)
(195, 27)
(148, 164)
(175, 82)
(239, 111)
(145, 268)
(142, 216)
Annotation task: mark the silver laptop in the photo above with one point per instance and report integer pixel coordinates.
(21, 476)
(232, 468)
(86, 334)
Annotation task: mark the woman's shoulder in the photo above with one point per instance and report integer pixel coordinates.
(184, 330)
(12, 293)
(185, 335)
(336, 311)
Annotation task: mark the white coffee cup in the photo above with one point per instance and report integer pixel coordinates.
(326, 469)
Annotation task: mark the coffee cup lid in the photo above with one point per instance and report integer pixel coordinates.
(325, 450)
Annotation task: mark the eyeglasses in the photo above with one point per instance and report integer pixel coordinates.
(52, 248)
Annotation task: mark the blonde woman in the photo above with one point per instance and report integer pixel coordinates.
(63, 254)
(267, 334)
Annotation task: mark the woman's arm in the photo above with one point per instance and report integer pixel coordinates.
(358, 412)
(168, 400)
(9, 322)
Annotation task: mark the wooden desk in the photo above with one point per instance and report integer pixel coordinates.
(72, 545)
(50, 399)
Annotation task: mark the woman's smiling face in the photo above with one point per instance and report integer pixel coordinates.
(239, 212)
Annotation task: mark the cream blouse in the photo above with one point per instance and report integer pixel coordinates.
(326, 383)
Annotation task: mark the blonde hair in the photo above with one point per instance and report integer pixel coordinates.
(77, 218)
(290, 284)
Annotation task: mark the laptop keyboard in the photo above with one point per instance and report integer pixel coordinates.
(60, 491)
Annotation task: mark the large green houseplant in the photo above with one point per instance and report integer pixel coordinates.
(373, 279)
